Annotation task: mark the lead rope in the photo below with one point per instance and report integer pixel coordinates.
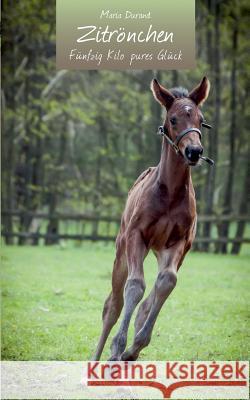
(161, 132)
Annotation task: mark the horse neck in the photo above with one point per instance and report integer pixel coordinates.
(173, 172)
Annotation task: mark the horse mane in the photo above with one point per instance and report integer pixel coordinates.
(141, 177)
(179, 92)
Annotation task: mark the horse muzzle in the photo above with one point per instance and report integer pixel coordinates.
(193, 154)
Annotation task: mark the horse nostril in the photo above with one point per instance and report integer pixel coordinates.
(193, 153)
(188, 152)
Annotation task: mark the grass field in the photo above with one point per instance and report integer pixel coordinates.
(52, 301)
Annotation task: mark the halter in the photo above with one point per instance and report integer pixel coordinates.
(162, 130)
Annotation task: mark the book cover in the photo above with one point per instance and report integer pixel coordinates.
(125, 212)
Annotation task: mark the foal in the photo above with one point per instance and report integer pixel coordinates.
(160, 215)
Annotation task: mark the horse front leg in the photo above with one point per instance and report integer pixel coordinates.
(169, 260)
(114, 303)
(133, 292)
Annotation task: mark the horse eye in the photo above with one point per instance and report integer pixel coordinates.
(173, 121)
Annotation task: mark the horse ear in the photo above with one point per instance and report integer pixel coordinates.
(200, 93)
(162, 95)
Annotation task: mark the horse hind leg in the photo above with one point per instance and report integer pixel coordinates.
(113, 304)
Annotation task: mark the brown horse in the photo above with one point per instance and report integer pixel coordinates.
(160, 215)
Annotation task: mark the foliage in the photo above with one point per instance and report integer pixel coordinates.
(76, 140)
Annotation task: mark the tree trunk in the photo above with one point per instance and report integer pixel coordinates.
(7, 189)
(27, 166)
(243, 209)
(209, 33)
(228, 197)
(96, 196)
(53, 225)
(9, 52)
(213, 138)
(103, 140)
(175, 78)
(25, 219)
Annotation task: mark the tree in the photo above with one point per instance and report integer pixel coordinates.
(228, 197)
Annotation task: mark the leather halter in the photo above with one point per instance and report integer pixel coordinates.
(174, 144)
(162, 130)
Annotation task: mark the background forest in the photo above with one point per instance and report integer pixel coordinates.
(74, 141)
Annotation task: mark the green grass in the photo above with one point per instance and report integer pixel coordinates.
(52, 301)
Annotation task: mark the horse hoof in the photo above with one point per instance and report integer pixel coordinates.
(128, 356)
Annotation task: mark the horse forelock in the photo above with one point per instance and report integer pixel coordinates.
(179, 92)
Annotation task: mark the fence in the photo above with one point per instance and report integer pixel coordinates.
(51, 228)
